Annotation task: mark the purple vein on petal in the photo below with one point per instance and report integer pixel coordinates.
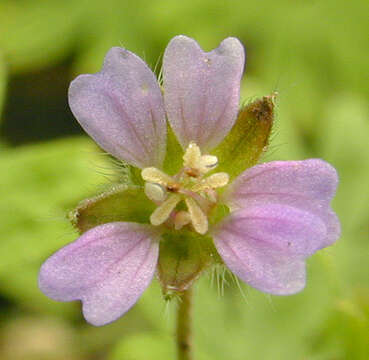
(132, 131)
(143, 261)
(215, 128)
(197, 84)
(107, 270)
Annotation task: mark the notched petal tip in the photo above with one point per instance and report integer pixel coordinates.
(232, 47)
(284, 217)
(121, 108)
(326, 171)
(307, 185)
(107, 268)
(202, 89)
(181, 39)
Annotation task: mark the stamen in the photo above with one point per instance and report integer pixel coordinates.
(198, 218)
(154, 175)
(197, 163)
(192, 156)
(208, 162)
(189, 184)
(182, 218)
(162, 213)
(155, 192)
(212, 182)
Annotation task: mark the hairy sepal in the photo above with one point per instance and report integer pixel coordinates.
(248, 138)
(121, 203)
(184, 256)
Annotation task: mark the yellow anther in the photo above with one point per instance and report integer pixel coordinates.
(195, 161)
(189, 184)
(162, 212)
(182, 218)
(198, 218)
(155, 192)
(154, 175)
(192, 156)
(212, 182)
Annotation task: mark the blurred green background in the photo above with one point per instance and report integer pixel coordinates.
(314, 53)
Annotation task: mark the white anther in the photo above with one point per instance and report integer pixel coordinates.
(208, 162)
(162, 212)
(198, 218)
(194, 160)
(155, 192)
(212, 182)
(182, 218)
(154, 175)
(218, 180)
(192, 156)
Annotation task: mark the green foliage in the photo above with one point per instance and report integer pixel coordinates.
(2, 83)
(249, 136)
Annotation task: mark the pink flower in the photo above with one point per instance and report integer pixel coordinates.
(280, 211)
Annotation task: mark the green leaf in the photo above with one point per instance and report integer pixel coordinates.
(183, 257)
(120, 203)
(249, 136)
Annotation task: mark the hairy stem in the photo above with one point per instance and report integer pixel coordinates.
(184, 326)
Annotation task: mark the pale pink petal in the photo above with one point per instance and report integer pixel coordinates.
(202, 89)
(107, 268)
(308, 185)
(266, 245)
(121, 108)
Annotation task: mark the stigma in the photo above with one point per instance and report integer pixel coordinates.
(191, 186)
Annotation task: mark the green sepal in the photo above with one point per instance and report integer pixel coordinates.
(183, 257)
(173, 159)
(120, 203)
(218, 213)
(244, 144)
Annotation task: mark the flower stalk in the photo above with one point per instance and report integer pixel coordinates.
(184, 326)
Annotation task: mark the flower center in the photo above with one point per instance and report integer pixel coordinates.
(190, 186)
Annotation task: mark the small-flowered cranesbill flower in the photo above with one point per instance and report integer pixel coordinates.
(276, 214)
